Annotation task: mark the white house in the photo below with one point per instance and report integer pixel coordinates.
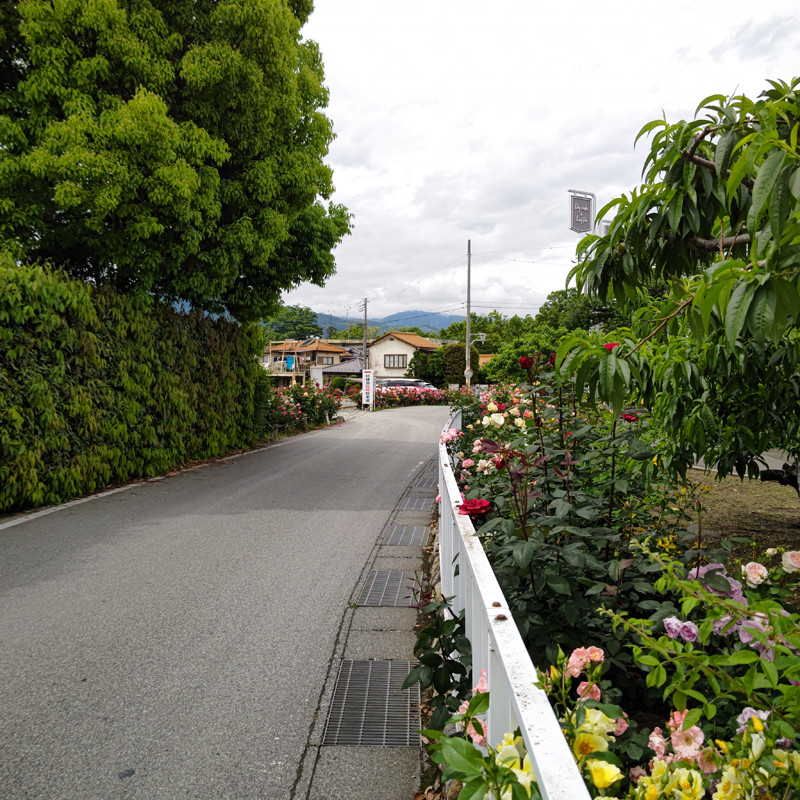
(390, 354)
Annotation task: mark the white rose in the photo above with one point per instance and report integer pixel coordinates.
(754, 574)
(791, 560)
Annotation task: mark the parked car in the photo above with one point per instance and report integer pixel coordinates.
(414, 383)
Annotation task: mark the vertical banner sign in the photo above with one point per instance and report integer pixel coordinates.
(580, 213)
(368, 388)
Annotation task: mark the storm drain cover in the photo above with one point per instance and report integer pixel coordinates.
(427, 483)
(418, 504)
(388, 587)
(370, 707)
(408, 535)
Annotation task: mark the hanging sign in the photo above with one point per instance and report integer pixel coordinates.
(580, 213)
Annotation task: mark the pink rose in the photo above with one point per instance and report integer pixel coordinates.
(791, 561)
(588, 691)
(687, 743)
(478, 739)
(595, 654)
(577, 661)
(706, 761)
(657, 742)
(622, 725)
(467, 463)
(675, 722)
(482, 685)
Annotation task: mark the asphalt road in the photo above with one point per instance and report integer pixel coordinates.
(172, 639)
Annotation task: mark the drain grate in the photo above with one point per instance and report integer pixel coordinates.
(388, 588)
(404, 535)
(427, 483)
(370, 707)
(418, 504)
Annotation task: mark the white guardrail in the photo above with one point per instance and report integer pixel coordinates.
(498, 648)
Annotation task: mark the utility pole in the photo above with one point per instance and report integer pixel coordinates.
(467, 369)
(366, 354)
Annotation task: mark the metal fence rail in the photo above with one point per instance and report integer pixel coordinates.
(498, 648)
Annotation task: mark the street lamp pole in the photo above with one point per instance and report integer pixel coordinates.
(467, 369)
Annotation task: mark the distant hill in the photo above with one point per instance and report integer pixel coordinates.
(428, 321)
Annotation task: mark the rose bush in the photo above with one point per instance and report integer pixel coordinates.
(575, 507)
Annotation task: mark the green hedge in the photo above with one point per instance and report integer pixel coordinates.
(97, 388)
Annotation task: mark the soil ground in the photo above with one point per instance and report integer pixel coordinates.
(765, 513)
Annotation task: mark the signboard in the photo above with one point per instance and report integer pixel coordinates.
(368, 388)
(580, 213)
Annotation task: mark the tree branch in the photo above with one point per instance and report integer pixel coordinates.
(661, 325)
(717, 244)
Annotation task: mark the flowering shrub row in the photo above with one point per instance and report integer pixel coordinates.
(397, 396)
(299, 406)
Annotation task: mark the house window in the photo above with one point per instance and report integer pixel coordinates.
(394, 362)
(326, 360)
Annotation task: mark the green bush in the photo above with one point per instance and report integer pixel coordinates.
(100, 387)
(338, 382)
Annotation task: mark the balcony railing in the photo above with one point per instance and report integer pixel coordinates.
(497, 647)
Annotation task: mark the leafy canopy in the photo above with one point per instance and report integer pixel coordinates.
(717, 219)
(292, 322)
(171, 147)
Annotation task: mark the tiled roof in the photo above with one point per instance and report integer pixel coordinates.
(414, 339)
(317, 346)
(344, 367)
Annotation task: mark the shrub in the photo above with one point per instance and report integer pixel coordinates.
(100, 387)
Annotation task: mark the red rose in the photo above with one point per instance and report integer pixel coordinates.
(630, 417)
(610, 345)
(477, 507)
(526, 362)
(552, 359)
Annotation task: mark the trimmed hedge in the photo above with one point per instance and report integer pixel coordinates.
(97, 388)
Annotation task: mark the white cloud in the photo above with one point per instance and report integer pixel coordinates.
(462, 120)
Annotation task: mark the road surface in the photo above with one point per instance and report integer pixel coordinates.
(172, 639)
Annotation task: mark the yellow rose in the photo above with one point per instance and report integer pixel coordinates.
(689, 785)
(730, 785)
(586, 743)
(603, 774)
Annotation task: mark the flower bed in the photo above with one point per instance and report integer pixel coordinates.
(398, 396)
(591, 545)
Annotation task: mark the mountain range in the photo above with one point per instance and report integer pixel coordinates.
(429, 321)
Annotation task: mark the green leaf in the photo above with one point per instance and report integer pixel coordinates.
(763, 187)
(693, 716)
(722, 153)
(479, 703)
(736, 312)
(794, 184)
(606, 373)
(461, 755)
(559, 584)
(771, 672)
(474, 789)
(739, 657)
(761, 314)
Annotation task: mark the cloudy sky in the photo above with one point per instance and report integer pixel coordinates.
(461, 120)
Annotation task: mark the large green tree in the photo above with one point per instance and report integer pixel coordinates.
(168, 146)
(572, 309)
(717, 219)
(292, 322)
